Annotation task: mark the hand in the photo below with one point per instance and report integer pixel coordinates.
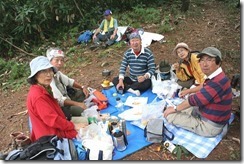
(78, 126)
(86, 92)
(176, 66)
(168, 111)
(120, 84)
(112, 36)
(183, 93)
(82, 105)
(94, 37)
(141, 79)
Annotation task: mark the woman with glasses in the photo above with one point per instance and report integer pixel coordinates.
(46, 116)
(188, 70)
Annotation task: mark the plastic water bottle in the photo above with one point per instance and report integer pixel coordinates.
(120, 105)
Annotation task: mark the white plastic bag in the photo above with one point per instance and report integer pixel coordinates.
(97, 142)
(91, 112)
(157, 84)
(173, 76)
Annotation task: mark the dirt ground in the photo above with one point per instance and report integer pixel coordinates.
(213, 28)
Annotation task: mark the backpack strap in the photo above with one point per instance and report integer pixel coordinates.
(13, 155)
(46, 144)
(73, 151)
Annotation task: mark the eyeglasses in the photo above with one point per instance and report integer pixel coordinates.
(47, 71)
(208, 60)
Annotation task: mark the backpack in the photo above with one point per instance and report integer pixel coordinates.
(49, 147)
(164, 68)
(98, 98)
(235, 81)
(85, 37)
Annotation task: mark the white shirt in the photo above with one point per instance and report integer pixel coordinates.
(59, 83)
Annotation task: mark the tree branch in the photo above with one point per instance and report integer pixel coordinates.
(30, 54)
(78, 9)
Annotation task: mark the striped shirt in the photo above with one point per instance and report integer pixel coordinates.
(215, 98)
(138, 65)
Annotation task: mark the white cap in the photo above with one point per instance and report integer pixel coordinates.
(54, 52)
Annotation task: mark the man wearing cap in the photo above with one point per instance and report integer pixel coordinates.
(46, 116)
(140, 61)
(208, 111)
(188, 70)
(107, 31)
(67, 91)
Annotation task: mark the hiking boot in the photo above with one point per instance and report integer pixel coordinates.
(94, 46)
(104, 45)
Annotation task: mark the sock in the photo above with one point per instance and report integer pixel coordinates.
(136, 92)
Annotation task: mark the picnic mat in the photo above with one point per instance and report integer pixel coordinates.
(136, 139)
(199, 146)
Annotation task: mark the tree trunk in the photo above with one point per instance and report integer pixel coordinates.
(185, 5)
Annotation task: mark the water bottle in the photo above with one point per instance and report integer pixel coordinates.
(123, 127)
(119, 141)
(120, 105)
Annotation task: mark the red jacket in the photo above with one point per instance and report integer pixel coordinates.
(46, 116)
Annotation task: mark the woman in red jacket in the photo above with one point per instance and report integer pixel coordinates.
(47, 118)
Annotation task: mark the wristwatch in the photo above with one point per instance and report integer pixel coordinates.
(175, 108)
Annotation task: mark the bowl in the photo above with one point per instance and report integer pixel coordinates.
(106, 72)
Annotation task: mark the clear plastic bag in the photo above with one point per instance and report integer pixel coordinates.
(152, 110)
(91, 112)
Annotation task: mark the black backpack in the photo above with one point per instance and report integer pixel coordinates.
(235, 81)
(45, 148)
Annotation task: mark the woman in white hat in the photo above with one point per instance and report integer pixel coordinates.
(188, 70)
(47, 118)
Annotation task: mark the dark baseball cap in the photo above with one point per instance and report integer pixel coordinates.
(107, 12)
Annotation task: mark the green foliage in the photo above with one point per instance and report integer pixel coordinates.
(165, 25)
(179, 150)
(13, 74)
(119, 45)
(146, 15)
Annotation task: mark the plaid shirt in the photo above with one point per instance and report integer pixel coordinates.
(215, 98)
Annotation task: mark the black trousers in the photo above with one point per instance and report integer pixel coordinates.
(135, 85)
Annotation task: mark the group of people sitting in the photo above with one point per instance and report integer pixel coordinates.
(54, 98)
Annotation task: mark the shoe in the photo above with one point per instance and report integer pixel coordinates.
(94, 46)
(104, 45)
